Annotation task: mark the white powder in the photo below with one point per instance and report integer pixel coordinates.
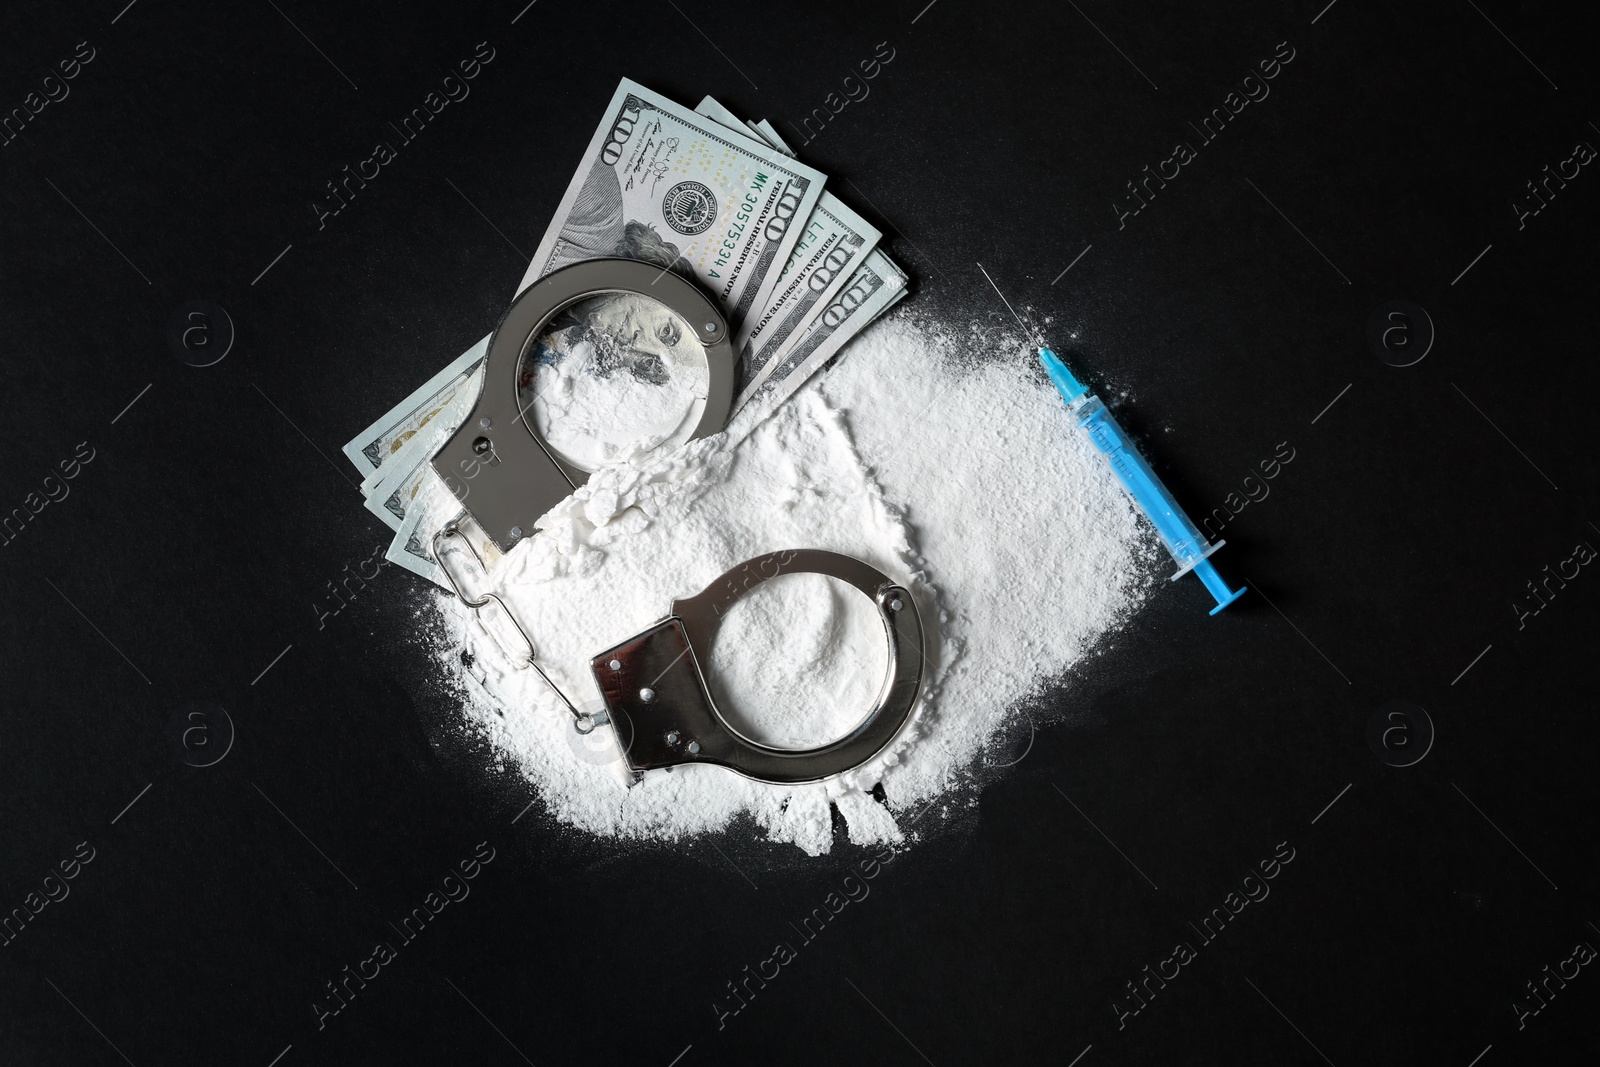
(798, 661)
(620, 372)
(960, 477)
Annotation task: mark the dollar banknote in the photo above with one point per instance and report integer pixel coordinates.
(440, 411)
(877, 285)
(390, 501)
(766, 237)
(370, 448)
(412, 544)
(665, 185)
(834, 242)
(390, 489)
(769, 133)
(428, 512)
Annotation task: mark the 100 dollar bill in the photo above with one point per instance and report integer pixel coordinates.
(374, 446)
(872, 290)
(390, 489)
(746, 259)
(877, 285)
(834, 242)
(662, 184)
(433, 506)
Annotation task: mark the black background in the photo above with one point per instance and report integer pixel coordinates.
(193, 547)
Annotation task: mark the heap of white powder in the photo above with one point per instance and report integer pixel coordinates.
(960, 477)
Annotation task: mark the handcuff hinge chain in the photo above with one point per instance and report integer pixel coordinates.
(581, 722)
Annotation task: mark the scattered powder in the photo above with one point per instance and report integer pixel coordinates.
(956, 474)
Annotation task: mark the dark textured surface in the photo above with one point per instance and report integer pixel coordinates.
(1233, 308)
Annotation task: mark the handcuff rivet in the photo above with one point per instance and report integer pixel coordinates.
(693, 748)
(486, 422)
(895, 604)
(615, 665)
(647, 694)
(672, 737)
(516, 533)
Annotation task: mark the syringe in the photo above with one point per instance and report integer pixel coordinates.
(1183, 539)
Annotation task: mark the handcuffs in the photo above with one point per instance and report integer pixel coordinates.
(498, 463)
(654, 684)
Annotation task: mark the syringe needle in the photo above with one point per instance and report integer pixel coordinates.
(1186, 544)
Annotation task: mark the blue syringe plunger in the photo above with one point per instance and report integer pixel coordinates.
(1184, 541)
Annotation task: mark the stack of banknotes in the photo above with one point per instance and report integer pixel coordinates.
(725, 203)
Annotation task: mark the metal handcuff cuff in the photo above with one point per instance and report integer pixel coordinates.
(654, 684)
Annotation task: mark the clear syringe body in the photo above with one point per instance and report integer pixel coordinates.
(1183, 540)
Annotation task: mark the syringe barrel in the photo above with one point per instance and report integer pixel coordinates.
(1183, 539)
